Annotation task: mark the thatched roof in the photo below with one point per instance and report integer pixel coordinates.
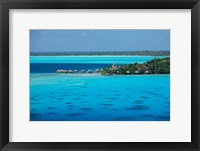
(70, 71)
(146, 72)
(97, 70)
(75, 71)
(136, 72)
(61, 71)
(128, 72)
(89, 71)
(82, 71)
(114, 67)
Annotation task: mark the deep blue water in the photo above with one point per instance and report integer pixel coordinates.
(52, 67)
(93, 97)
(49, 64)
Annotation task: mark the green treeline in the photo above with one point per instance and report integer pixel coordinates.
(119, 53)
(155, 66)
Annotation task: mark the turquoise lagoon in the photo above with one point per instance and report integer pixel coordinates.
(93, 97)
(92, 59)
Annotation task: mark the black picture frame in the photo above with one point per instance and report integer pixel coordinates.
(5, 5)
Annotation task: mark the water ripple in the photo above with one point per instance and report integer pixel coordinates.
(138, 107)
(106, 104)
(75, 114)
(51, 108)
(85, 109)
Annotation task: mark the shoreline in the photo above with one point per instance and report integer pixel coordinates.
(94, 74)
(98, 56)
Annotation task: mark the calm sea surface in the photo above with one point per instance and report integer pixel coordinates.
(93, 97)
(44, 64)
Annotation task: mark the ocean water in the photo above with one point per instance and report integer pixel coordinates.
(93, 97)
(49, 64)
(92, 59)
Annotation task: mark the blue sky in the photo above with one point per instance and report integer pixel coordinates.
(98, 40)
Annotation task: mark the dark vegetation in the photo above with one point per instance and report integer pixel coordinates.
(121, 53)
(155, 66)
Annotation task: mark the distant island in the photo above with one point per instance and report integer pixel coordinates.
(155, 66)
(119, 53)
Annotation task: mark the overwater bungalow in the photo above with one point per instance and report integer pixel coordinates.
(75, 71)
(70, 71)
(82, 71)
(149, 67)
(89, 71)
(136, 72)
(64, 71)
(61, 71)
(97, 70)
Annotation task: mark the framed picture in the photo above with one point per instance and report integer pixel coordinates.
(99, 75)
